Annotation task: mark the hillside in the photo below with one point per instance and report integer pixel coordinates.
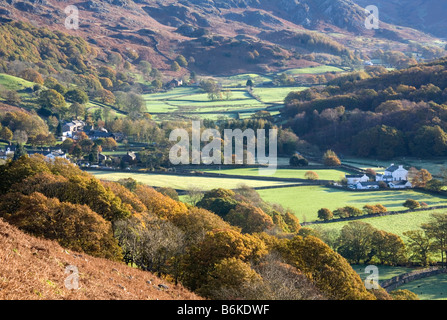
(34, 269)
(283, 33)
(427, 16)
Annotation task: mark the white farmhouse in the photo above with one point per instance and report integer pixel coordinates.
(56, 154)
(354, 179)
(396, 177)
(400, 184)
(393, 173)
(367, 185)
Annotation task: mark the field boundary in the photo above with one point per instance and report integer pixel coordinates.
(397, 281)
(366, 216)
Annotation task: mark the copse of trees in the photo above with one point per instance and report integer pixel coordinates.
(350, 211)
(245, 209)
(383, 113)
(359, 242)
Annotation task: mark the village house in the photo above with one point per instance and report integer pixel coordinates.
(354, 179)
(367, 185)
(400, 184)
(393, 173)
(8, 152)
(70, 128)
(101, 133)
(174, 83)
(51, 154)
(130, 157)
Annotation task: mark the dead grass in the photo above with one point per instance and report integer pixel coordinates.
(34, 269)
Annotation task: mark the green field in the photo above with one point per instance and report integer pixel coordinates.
(432, 165)
(240, 80)
(431, 288)
(314, 70)
(385, 272)
(275, 95)
(183, 182)
(331, 174)
(193, 103)
(14, 83)
(307, 200)
(396, 224)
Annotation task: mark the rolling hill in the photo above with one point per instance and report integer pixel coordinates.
(427, 16)
(280, 34)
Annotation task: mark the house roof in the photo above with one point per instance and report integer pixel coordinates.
(100, 133)
(393, 168)
(355, 175)
(399, 183)
(366, 184)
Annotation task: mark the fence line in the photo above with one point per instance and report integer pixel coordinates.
(395, 282)
(388, 213)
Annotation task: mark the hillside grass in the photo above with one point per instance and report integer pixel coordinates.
(431, 288)
(14, 83)
(324, 174)
(313, 70)
(34, 269)
(183, 182)
(385, 272)
(276, 94)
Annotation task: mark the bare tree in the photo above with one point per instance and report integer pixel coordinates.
(194, 195)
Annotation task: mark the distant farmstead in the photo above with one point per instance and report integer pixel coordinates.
(174, 83)
(395, 177)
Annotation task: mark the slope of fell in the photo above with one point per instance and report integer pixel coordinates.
(32, 268)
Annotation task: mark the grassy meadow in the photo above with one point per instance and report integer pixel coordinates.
(183, 182)
(305, 201)
(330, 174)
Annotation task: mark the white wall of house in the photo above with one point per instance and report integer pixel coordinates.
(354, 181)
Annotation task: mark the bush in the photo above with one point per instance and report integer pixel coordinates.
(325, 214)
(411, 204)
(298, 161)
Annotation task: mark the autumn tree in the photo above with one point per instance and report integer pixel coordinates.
(169, 192)
(419, 178)
(330, 272)
(181, 60)
(419, 246)
(201, 259)
(298, 161)
(75, 227)
(389, 248)
(356, 242)
(311, 175)
(32, 75)
(52, 100)
(374, 208)
(411, 204)
(77, 95)
(249, 218)
(175, 66)
(6, 134)
(331, 159)
(436, 230)
(325, 214)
